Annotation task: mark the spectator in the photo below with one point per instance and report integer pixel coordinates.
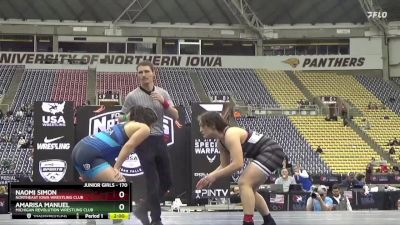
(301, 176)
(334, 117)
(392, 151)
(340, 201)
(235, 197)
(321, 202)
(327, 118)
(1, 114)
(386, 117)
(369, 105)
(345, 123)
(367, 125)
(21, 142)
(285, 180)
(360, 183)
(349, 182)
(285, 165)
(383, 161)
(395, 170)
(395, 142)
(344, 111)
(370, 168)
(319, 150)
(384, 168)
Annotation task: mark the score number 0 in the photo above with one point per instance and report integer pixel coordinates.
(121, 195)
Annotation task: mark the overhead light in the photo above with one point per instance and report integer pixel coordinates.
(227, 32)
(343, 31)
(79, 29)
(208, 43)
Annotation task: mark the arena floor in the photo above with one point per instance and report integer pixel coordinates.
(234, 218)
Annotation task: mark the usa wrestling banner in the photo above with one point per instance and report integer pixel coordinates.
(54, 141)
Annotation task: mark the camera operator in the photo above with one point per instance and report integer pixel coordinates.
(319, 201)
(340, 201)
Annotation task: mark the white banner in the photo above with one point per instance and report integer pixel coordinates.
(331, 62)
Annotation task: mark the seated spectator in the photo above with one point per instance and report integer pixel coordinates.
(392, 151)
(321, 202)
(301, 176)
(285, 180)
(319, 150)
(1, 114)
(369, 170)
(340, 201)
(344, 111)
(367, 125)
(334, 117)
(386, 117)
(345, 123)
(21, 142)
(235, 196)
(349, 181)
(395, 170)
(327, 118)
(369, 105)
(384, 168)
(108, 94)
(395, 142)
(29, 113)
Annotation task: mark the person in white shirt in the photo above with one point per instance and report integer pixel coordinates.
(340, 201)
(285, 179)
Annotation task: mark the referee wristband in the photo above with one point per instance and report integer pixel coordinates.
(165, 104)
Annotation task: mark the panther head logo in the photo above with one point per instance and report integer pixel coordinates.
(293, 62)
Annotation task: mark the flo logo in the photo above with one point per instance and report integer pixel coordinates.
(168, 124)
(293, 62)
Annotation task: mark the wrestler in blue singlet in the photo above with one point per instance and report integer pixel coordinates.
(97, 152)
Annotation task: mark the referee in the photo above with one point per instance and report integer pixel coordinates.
(152, 152)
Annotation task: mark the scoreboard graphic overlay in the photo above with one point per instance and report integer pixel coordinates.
(70, 201)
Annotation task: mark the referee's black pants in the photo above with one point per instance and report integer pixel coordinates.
(156, 166)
